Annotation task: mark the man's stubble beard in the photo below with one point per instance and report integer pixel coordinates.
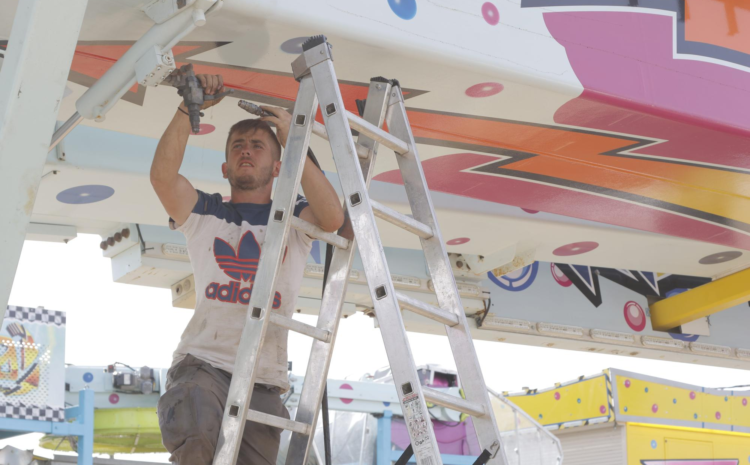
(250, 182)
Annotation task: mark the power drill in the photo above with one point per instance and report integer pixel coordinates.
(189, 88)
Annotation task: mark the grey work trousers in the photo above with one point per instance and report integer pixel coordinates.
(191, 410)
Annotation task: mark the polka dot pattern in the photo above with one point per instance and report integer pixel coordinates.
(114, 398)
(458, 241)
(635, 317)
(293, 46)
(82, 195)
(404, 9)
(484, 89)
(346, 386)
(490, 14)
(576, 248)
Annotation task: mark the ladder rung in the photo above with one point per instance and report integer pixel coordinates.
(314, 231)
(402, 221)
(453, 402)
(320, 130)
(427, 310)
(299, 327)
(278, 422)
(377, 134)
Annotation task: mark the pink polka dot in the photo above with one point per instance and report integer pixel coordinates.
(530, 212)
(206, 129)
(635, 317)
(627, 383)
(346, 386)
(692, 396)
(458, 241)
(602, 409)
(490, 13)
(484, 89)
(557, 396)
(114, 398)
(559, 276)
(744, 402)
(718, 415)
(576, 248)
(654, 408)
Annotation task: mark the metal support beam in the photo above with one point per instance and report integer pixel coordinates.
(32, 81)
(702, 301)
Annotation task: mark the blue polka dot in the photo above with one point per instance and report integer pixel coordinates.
(85, 194)
(88, 377)
(293, 46)
(653, 444)
(387, 404)
(579, 401)
(646, 389)
(674, 401)
(625, 409)
(404, 9)
(726, 399)
(695, 415)
(748, 459)
(540, 415)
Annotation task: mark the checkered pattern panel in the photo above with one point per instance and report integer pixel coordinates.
(36, 315)
(32, 412)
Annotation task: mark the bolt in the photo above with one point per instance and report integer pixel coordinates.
(378, 86)
(158, 68)
(118, 237)
(459, 264)
(126, 233)
(151, 75)
(111, 241)
(103, 245)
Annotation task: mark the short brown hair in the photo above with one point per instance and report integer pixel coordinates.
(254, 125)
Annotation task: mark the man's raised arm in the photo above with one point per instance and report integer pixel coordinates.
(325, 207)
(175, 192)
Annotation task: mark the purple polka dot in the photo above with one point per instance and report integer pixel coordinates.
(557, 396)
(744, 402)
(484, 89)
(627, 383)
(205, 129)
(602, 409)
(718, 415)
(576, 248)
(654, 408)
(530, 212)
(559, 276)
(346, 386)
(85, 194)
(114, 398)
(635, 317)
(490, 14)
(458, 241)
(692, 396)
(293, 46)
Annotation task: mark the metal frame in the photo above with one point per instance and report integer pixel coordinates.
(82, 427)
(32, 80)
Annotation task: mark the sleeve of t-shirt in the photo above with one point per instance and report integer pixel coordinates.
(207, 205)
(300, 205)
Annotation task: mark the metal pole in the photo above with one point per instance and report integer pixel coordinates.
(35, 71)
(65, 129)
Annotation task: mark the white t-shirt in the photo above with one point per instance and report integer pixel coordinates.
(224, 241)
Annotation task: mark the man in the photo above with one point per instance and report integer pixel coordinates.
(224, 241)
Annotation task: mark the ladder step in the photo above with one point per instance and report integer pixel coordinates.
(314, 231)
(278, 422)
(299, 327)
(427, 310)
(452, 402)
(377, 134)
(320, 130)
(402, 221)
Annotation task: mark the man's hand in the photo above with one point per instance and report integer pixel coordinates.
(282, 119)
(212, 85)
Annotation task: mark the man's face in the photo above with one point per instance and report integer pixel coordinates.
(250, 161)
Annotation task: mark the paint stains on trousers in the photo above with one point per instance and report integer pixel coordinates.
(191, 410)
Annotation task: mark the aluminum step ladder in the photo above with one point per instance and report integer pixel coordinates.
(354, 163)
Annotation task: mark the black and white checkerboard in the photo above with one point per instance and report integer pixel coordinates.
(32, 412)
(36, 315)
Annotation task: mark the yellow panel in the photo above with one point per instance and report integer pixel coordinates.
(660, 445)
(582, 400)
(702, 301)
(662, 402)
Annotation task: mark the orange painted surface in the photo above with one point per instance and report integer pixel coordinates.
(576, 157)
(725, 23)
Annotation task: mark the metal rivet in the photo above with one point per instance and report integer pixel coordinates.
(406, 388)
(234, 410)
(331, 109)
(278, 216)
(300, 120)
(256, 312)
(380, 292)
(355, 199)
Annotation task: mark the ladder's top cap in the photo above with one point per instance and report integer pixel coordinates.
(380, 79)
(313, 41)
(395, 83)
